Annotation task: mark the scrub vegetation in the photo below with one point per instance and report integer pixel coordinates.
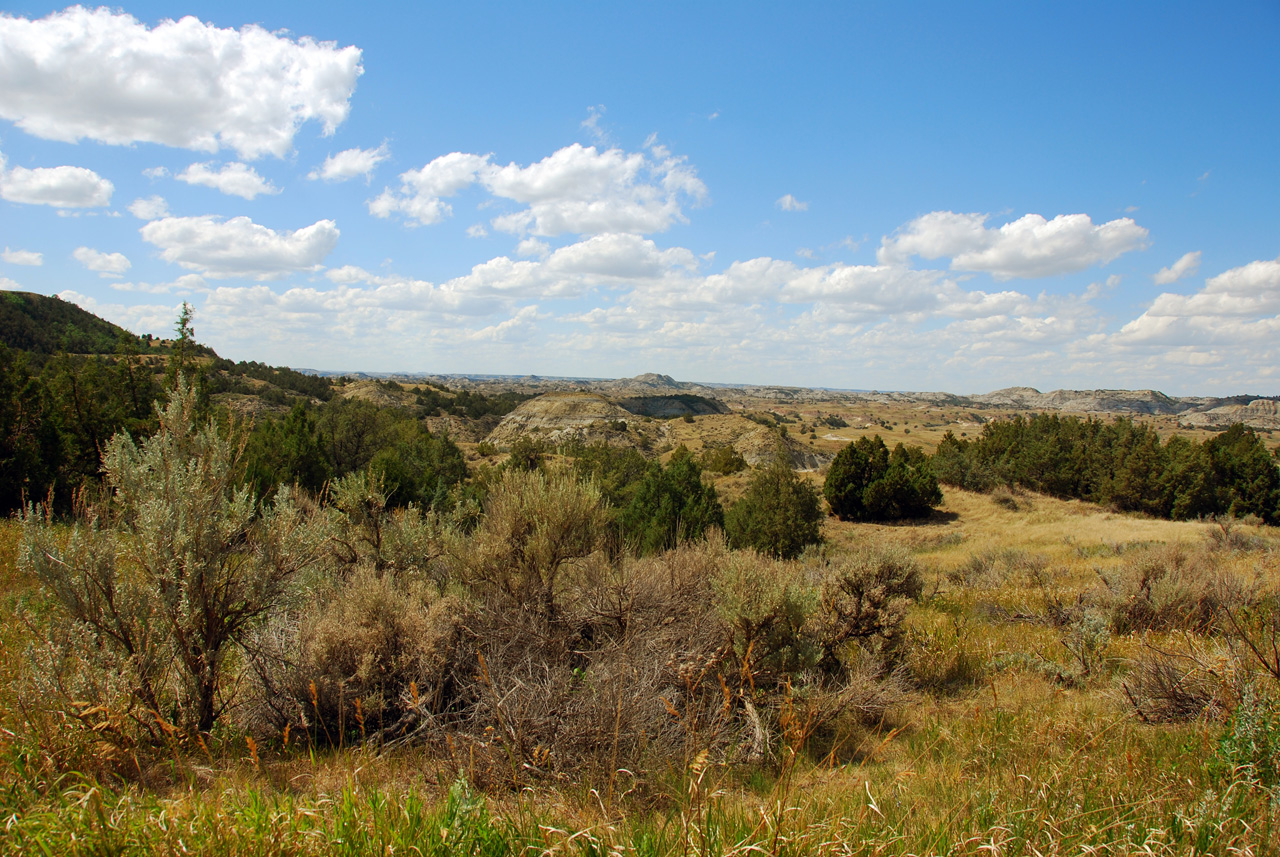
(350, 634)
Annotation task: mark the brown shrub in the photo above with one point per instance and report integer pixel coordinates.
(864, 600)
(367, 658)
(1171, 587)
(627, 673)
(765, 605)
(1187, 680)
(535, 524)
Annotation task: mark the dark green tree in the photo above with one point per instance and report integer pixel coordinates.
(671, 505)
(31, 446)
(286, 452)
(1247, 474)
(868, 483)
(780, 514)
(351, 432)
(419, 467)
(616, 470)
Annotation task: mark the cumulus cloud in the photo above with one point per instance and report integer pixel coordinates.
(533, 247)
(350, 163)
(62, 187)
(185, 285)
(790, 203)
(149, 208)
(422, 191)
(239, 247)
(581, 190)
(106, 264)
(1240, 306)
(233, 179)
(578, 189)
(106, 76)
(22, 257)
(1028, 247)
(1184, 267)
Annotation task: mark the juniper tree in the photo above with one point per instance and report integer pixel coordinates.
(780, 514)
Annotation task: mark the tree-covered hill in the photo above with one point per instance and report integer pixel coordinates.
(70, 381)
(43, 326)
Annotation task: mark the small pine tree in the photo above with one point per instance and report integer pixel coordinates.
(868, 483)
(780, 514)
(671, 505)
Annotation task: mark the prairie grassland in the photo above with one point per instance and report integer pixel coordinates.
(1013, 734)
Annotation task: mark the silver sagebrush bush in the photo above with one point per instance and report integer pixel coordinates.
(160, 578)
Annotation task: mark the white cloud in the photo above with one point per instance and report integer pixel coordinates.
(234, 179)
(790, 203)
(63, 187)
(350, 163)
(577, 189)
(186, 284)
(592, 124)
(581, 190)
(1028, 247)
(348, 274)
(106, 76)
(156, 172)
(477, 230)
(533, 247)
(106, 264)
(1239, 307)
(239, 247)
(932, 236)
(1184, 267)
(22, 257)
(149, 208)
(422, 191)
(625, 303)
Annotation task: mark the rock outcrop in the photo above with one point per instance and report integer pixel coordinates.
(1151, 402)
(668, 407)
(560, 417)
(1263, 414)
(762, 445)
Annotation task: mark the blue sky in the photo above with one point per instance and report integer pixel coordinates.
(924, 196)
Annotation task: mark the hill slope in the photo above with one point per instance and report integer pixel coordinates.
(43, 325)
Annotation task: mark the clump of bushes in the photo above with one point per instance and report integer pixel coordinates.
(724, 460)
(364, 658)
(529, 641)
(1170, 587)
(868, 483)
(160, 581)
(864, 599)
